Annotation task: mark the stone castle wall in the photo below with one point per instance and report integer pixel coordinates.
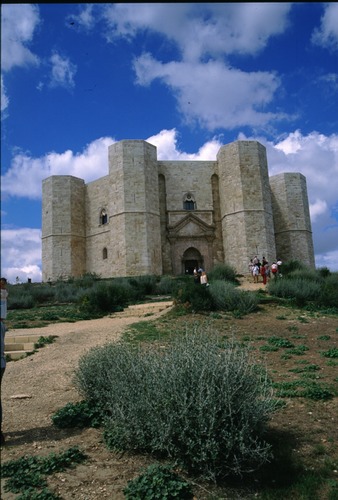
(162, 217)
(63, 227)
(247, 221)
(292, 221)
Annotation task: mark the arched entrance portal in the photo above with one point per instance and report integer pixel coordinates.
(191, 259)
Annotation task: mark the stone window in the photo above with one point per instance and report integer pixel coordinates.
(104, 253)
(189, 202)
(103, 216)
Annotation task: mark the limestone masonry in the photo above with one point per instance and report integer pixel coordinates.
(166, 217)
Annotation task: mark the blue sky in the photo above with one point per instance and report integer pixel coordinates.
(186, 77)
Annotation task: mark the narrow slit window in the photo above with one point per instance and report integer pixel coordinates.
(105, 253)
(103, 217)
(188, 202)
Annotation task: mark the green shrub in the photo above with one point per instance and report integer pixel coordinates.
(292, 265)
(143, 285)
(307, 274)
(196, 298)
(328, 296)
(26, 473)
(42, 293)
(81, 414)
(223, 272)
(300, 290)
(158, 482)
(201, 401)
(104, 297)
(42, 341)
(331, 353)
(87, 280)
(66, 292)
(280, 342)
(166, 285)
(304, 389)
(21, 301)
(229, 298)
(324, 272)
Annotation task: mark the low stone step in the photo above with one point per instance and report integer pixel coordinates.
(15, 355)
(13, 339)
(19, 346)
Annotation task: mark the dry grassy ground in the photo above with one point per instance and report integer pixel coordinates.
(34, 388)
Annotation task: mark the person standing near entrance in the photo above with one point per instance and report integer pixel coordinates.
(4, 295)
(204, 279)
(255, 273)
(263, 272)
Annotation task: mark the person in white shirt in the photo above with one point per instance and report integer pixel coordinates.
(204, 278)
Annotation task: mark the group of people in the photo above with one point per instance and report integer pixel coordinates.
(4, 294)
(262, 268)
(200, 277)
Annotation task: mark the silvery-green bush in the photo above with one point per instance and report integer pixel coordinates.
(166, 285)
(223, 272)
(301, 290)
(200, 400)
(228, 297)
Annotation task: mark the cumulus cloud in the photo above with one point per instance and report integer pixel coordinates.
(18, 24)
(167, 148)
(327, 34)
(21, 254)
(62, 71)
(25, 174)
(234, 98)
(201, 30)
(85, 20)
(315, 155)
(204, 36)
(4, 97)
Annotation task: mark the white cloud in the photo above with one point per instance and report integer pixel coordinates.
(204, 36)
(62, 72)
(18, 23)
(327, 35)
(4, 97)
(327, 259)
(24, 176)
(315, 156)
(21, 254)
(317, 208)
(234, 98)
(167, 148)
(86, 19)
(199, 30)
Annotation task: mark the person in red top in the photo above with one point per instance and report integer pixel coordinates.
(263, 273)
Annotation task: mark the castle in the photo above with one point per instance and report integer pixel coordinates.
(150, 217)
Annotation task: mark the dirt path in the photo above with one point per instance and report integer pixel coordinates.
(35, 387)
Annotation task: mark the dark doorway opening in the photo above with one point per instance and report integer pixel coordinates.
(190, 265)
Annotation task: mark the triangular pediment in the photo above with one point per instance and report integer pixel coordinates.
(190, 226)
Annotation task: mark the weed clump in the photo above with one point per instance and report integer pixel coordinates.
(158, 481)
(26, 474)
(201, 401)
